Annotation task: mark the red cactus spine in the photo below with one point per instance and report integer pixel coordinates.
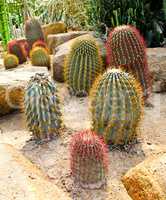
(40, 43)
(18, 49)
(89, 160)
(126, 48)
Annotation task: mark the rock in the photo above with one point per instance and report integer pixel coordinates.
(60, 54)
(12, 83)
(147, 181)
(22, 180)
(157, 65)
(55, 40)
(54, 28)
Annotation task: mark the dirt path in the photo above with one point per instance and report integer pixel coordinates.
(53, 157)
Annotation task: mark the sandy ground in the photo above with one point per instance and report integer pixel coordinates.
(53, 157)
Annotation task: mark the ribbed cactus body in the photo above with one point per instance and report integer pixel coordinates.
(10, 61)
(33, 31)
(89, 160)
(116, 107)
(126, 49)
(41, 106)
(18, 49)
(83, 65)
(40, 57)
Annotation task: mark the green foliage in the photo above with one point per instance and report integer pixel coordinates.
(42, 108)
(126, 49)
(40, 57)
(89, 160)
(116, 107)
(10, 61)
(83, 65)
(33, 31)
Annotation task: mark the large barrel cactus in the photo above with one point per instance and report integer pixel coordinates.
(33, 31)
(89, 160)
(126, 49)
(18, 49)
(10, 61)
(116, 107)
(83, 65)
(40, 57)
(41, 106)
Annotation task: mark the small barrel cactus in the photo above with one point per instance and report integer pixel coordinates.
(10, 61)
(41, 105)
(40, 43)
(126, 49)
(18, 49)
(83, 65)
(33, 31)
(116, 107)
(40, 57)
(89, 160)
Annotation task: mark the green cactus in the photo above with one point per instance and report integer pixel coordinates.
(10, 61)
(116, 107)
(83, 65)
(33, 31)
(126, 48)
(89, 160)
(41, 106)
(40, 57)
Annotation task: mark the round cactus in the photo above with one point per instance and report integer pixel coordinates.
(33, 31)
(40, 57)
(40, 43)
(10, 61)
(83, 65)
(18, 49)
(89, 160)
(41, 106)
(126, 49)
(116, 107)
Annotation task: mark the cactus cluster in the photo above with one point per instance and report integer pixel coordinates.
(10, 61)
(39, 56)
(41, 106)
(116, 107)
(83, 65)
(126, 49)
(33, 31)
(18, 49)
(89, 160)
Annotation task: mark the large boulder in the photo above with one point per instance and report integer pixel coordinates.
(157, 65)
(12, 84)
(55, 40)
(53, 28)
(147, 181)
(22, 180)
(60, 54)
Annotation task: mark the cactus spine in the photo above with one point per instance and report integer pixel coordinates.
(89, 160)
(18, 49)
(116, 107)
(126, 49)
(83, 65)
(40, 43)
(41, 106)
(40, 57)
(33, 31)
(10, 61)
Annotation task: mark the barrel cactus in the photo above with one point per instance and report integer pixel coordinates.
(83, 65)
(41, 105)
(10, 61)
(126, 48)
(40, 57)
(89, 160)
(33, 31)
(116, 107)
(18, 49)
